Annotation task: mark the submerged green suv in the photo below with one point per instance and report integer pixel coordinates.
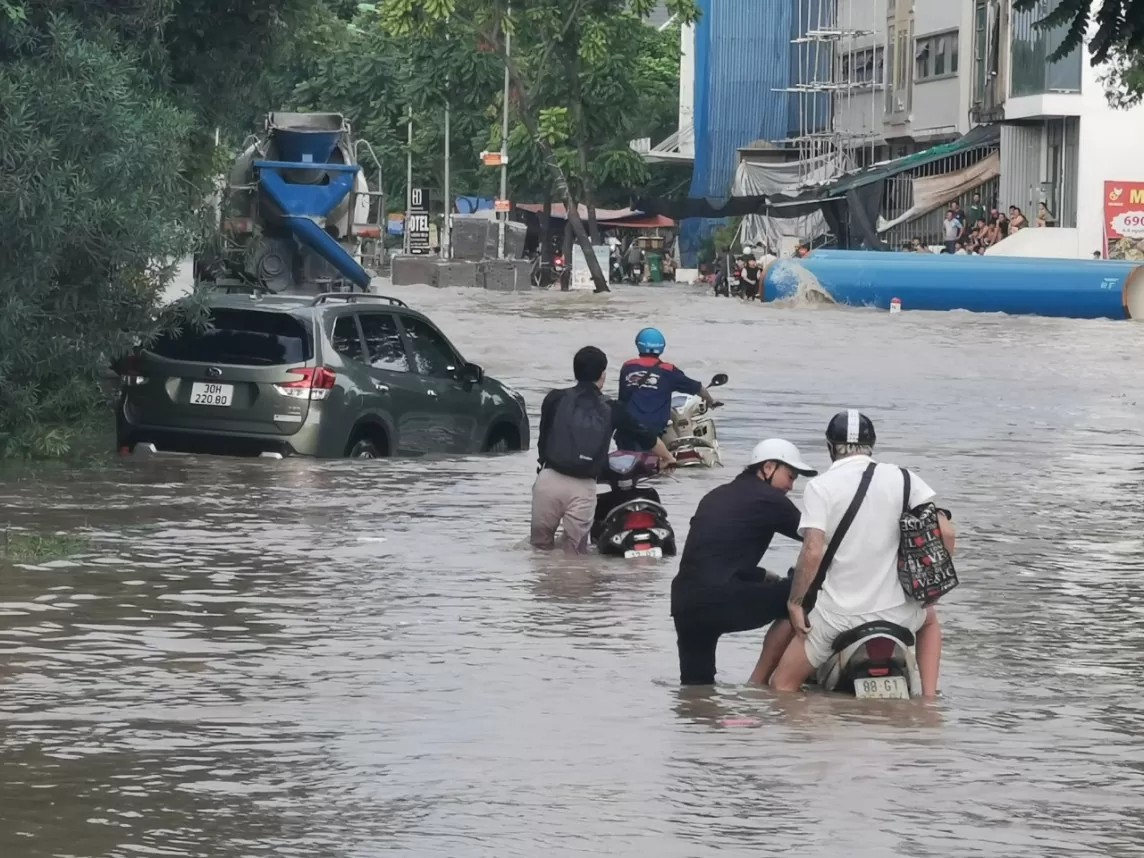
(338, 374)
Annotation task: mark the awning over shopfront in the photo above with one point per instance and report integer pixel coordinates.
(850, 203)
(614, 218)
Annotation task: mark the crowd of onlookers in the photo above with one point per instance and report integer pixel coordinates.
(975, 228)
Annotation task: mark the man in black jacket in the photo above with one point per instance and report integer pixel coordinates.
(720, 587)
(576, 427)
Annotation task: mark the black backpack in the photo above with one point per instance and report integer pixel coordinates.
(577, 444)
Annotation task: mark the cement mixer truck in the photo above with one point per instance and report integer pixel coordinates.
(295, 210)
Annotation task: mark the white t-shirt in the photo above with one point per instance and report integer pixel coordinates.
(951, 228)
(863, 578)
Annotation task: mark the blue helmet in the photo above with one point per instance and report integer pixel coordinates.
(649, 341)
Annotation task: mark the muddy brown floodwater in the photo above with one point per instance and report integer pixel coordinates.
(357, 659)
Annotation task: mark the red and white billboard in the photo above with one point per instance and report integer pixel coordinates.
(1124, 220)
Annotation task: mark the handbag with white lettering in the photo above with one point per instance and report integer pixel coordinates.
(925, 569)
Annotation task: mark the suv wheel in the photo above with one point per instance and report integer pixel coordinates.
(504, 438)
(364, 449)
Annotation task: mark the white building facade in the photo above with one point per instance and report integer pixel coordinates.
(922, 72)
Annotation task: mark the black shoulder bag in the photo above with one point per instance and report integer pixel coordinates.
(835, 541)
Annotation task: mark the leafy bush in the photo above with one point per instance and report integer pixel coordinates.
(91, 205)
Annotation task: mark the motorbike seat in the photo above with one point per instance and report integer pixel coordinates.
(877, 627)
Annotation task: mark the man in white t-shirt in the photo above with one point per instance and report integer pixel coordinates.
(861, 584)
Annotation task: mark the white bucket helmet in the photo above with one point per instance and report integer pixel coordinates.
(784, 452)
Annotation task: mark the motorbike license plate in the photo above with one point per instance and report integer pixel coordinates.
(645, 552)
(882, 688)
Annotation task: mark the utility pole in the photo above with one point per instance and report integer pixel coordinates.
(447, 222)
(503, 216)
(408, 174)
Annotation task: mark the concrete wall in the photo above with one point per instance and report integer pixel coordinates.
(863, 109)
(687, 87)
(940, 108)
(1108, 150)
(937, 109)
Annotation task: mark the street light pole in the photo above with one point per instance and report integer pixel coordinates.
(447, 238)
(408, 174)
(503, 216)
(447, 222)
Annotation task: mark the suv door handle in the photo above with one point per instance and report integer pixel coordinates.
(381, 388)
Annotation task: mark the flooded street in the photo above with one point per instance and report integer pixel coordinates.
(301, 658)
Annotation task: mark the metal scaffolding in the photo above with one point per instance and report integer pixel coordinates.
(836, 58)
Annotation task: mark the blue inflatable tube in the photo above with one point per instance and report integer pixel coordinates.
(1068, 288)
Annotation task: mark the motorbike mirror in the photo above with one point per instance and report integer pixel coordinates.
(718, 380)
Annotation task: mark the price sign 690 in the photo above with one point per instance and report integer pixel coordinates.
(1129, 224)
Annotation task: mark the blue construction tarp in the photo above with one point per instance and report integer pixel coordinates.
(743, 54)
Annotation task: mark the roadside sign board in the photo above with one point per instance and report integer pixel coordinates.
(503, 205)
(418, 222)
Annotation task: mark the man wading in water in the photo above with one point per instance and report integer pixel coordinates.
(720, 587)
(576, 426)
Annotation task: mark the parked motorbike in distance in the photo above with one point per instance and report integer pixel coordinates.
(547, 274)
(635, 276)
(691, 435)
(561, 272)
(615, 270)
(630, 521)
(722, 286)
(875, 660)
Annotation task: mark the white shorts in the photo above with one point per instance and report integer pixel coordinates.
(826, 626)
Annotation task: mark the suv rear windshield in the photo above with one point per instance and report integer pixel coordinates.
(240, 337)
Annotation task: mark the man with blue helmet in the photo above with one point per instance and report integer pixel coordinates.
(647, 384)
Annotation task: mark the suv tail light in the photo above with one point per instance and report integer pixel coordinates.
(132, 374)
(313, 383)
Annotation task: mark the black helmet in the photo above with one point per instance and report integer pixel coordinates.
(851, 427)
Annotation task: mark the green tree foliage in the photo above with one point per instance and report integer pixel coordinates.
(90, 200)
(106, 110)
(1120, 25)
(549, 38)
(372, 77)
(1118, 41)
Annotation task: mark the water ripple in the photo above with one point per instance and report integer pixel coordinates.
(355, 658)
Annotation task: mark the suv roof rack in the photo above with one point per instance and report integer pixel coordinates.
(354, 296)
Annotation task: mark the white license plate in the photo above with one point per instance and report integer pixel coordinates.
(209, 393)
(647, 552)
(882, 688)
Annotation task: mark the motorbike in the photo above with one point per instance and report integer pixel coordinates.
(635, 276)
(630, 521)
(560, 271)
(546, 274)
(733, 281)
(616, 270)
(690, 435)
(722, 287)
(875, 660)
